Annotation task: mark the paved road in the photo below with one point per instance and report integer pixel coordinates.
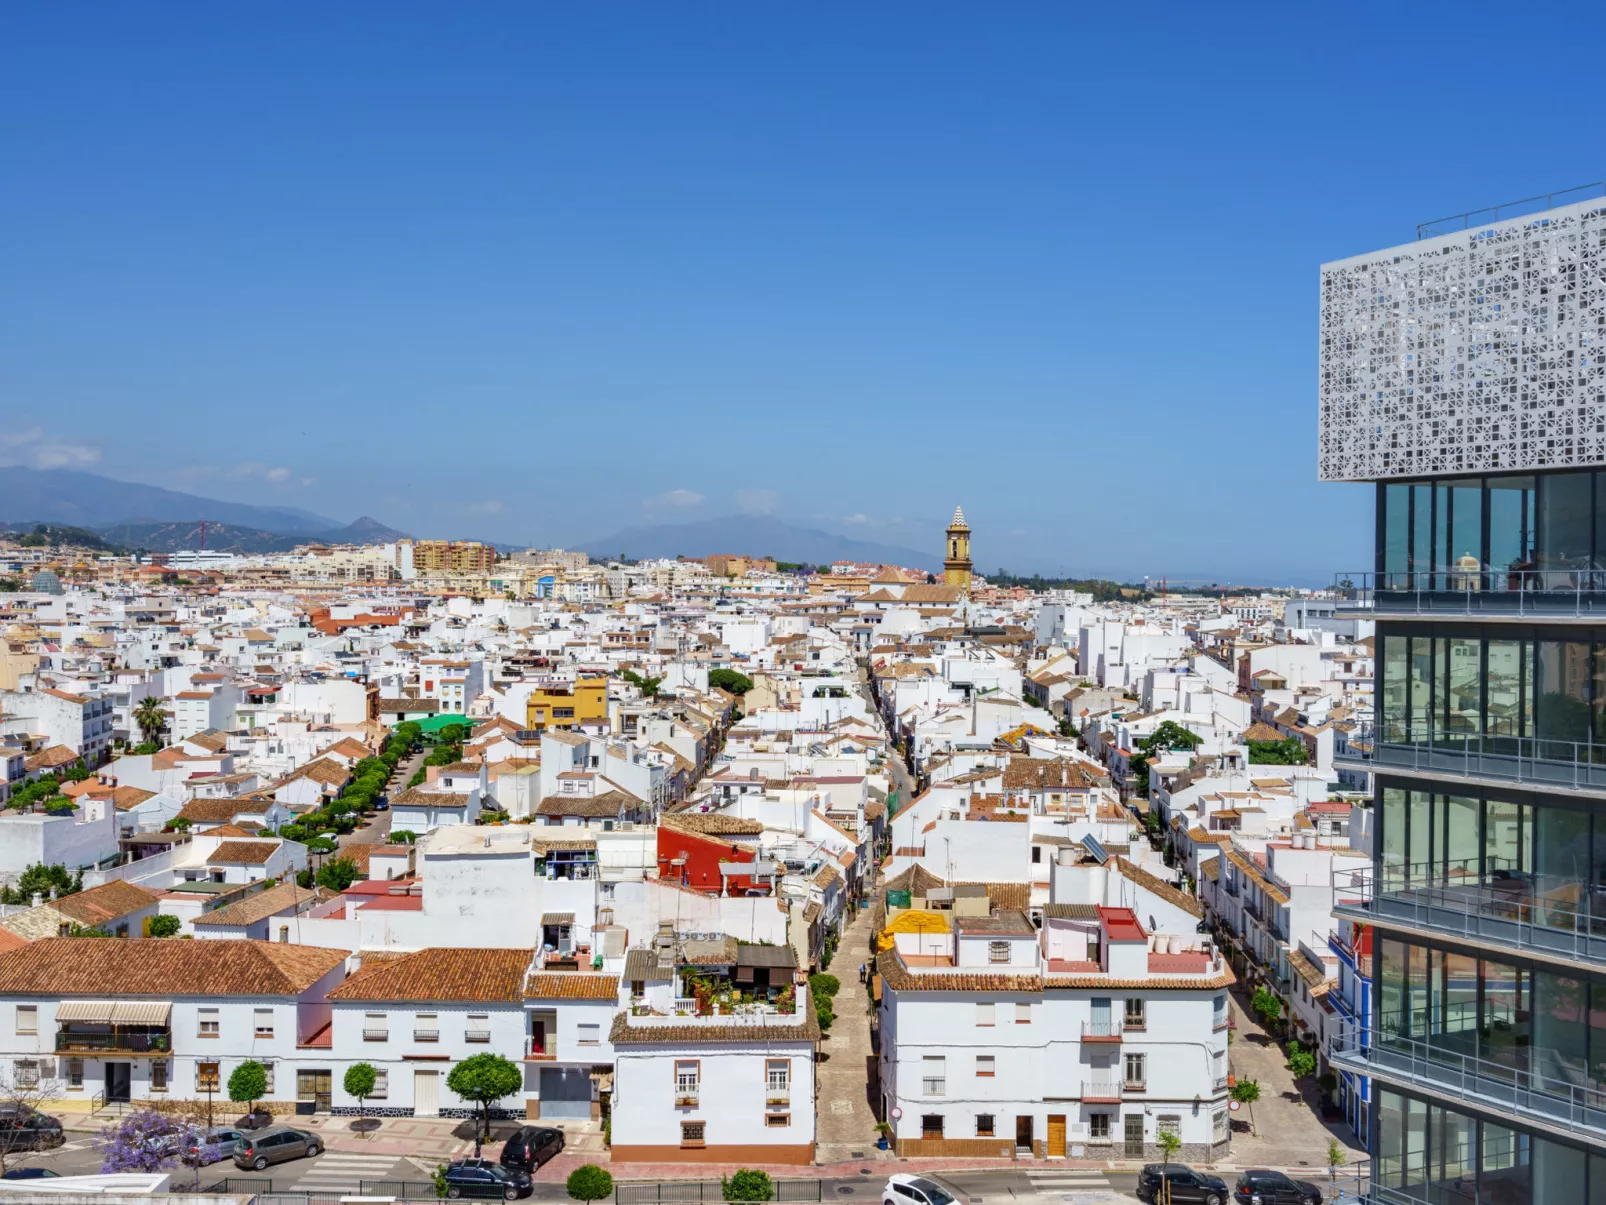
(330, 1172)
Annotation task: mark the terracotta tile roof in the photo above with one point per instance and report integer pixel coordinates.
(713, 824)
(608, 805)
(570, 985)
(50, 758)
(124, 798)
(244, 853)
(214, 811)
(256, 907)
(415, 798)
(897, 977)
(1261, 732)
(106, 902)
(1159, 887)
(1029, 773)
(164, 967)
(442, 973)
(807, 1029)
(1312, 974)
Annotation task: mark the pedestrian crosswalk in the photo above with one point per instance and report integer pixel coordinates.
(1070, 1179)
(341, 1171)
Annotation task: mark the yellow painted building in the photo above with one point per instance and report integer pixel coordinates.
(566, 707)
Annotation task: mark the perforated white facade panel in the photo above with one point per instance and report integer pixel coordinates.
(1476, 351)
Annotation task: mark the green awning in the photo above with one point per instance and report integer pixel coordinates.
(436, 722)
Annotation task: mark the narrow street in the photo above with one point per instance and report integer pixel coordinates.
(845, 1125)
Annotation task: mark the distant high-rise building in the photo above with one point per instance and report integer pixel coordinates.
(956, 565)
(1465, 375)
(453, 556)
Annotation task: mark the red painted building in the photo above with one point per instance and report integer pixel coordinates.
(692, 860)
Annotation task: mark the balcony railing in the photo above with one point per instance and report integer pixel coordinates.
(1478, 591)
(1492, 903)
(426, 1035)
(541, 1052)
(376, 1035)
(1102, 1031)
(1539, 1096)
(1543, 761)
(142, 1042)
(1101, 1090)
(778, 1094)
(687, 1094)
(476, 1035)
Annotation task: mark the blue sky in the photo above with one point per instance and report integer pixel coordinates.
(541, 272)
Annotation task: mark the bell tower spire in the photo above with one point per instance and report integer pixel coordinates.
(956, 559)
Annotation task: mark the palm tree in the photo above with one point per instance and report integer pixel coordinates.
(150, 717)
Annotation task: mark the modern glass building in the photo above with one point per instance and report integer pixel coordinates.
(1465, 375)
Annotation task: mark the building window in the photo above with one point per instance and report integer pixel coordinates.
(1023, 1013)
(984, 1125)
(686, 1080)
(1221, 1013)
(1134, 1071)
(984, 1014)
(479, 1028)
(267, 1076)
(1135, 1015)
(691, 1133)
(777, 1074)
(931, 1125)
(263, 1022)
(375, 1028)
(998, 951)
(381, 1085)
(206, 1079)
(27, 1075)
(933, 1077)
(1098, 1126)
(589, 1033)
(1168, 1123)
(27, 1018)
(774, 1121)
(1220, 1129)
(158, 1075)
(206, 1023)
(984, 1064)
(426, 1028)
(75, 1073)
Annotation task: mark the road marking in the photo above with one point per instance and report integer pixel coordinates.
(1069, 1178)
(341, 1170)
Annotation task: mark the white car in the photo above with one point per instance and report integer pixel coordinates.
(905, 1189)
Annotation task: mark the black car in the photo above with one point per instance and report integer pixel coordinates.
(1260, 1187)
(22, 1129)
(530, 1147)
(1178, 1183)
(31, 1173)
(478, 1178)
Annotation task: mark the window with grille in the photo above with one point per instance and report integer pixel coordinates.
(478, 1028)
(267, 1076)
(984, 1125)
(1219, 1126)
(381, 1085)
(1168, 1123)
(691, 1133)
(159, 1075)
(206, 1079)
(375, 1027)
(1135, 1014)
(1134, 1070)
(75, 1073)
(775, 1121)
(998, 951)
(426, 1028)
(933, 1075)
(27, 1073)
(1098, 1125)
(984, 1064)
(931, 1125)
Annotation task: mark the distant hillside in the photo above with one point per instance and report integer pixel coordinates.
(227, 537)
(90, 500)
(754, 535)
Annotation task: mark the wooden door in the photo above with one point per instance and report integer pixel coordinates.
(1056, 1135)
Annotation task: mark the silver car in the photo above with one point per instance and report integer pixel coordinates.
(276, 1144)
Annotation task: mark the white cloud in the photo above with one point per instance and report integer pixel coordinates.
(246, 470)
(490, 506)
(856, 520)
(36, 448)
(672, 500)
(757, 502)
(859, 519)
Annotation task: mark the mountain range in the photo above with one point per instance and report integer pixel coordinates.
(230, 537)
(754, 535)
(90, 500)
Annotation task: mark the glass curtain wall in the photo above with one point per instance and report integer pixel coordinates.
(1514, 532)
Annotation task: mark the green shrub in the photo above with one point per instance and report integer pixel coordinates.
(165, 926)
(747, 1185)
(589, 1182)
(829, 985)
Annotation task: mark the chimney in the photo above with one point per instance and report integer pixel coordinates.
(39, 899)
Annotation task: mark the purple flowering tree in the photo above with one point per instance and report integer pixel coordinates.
(148, 1141)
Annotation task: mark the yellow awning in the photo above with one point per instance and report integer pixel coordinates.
(115, 1012)
(915, 920)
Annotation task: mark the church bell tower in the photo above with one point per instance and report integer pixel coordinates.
(956, 563)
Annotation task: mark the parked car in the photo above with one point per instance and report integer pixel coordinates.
(1257, 1186)
(1186, 1185)
(25, 1129)
(530, 1147)
(224, 1138)
(31, 1173)
(480, 1178)
(276, 1144)
(905, 1189)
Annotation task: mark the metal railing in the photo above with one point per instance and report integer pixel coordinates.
(1479, 590)
(1101, 1031)
(1495, 904)
(1576, 1103)
(426, 1035)
(1508, 209)
(1101, 1089)
(134, 1043)
(376, 1035)
(693, 1192)
(476, 1035)
(1575, 765)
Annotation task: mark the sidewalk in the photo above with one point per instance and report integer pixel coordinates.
(846, 1069)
